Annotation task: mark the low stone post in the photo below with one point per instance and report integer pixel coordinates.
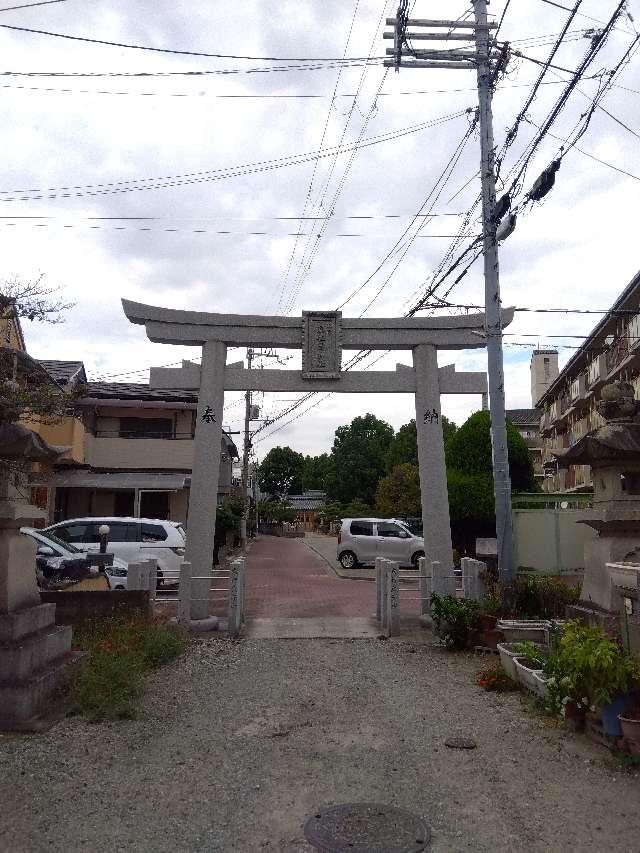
(425, 585)
(184, 593)
(153, 582)
(392, 570)
(136, 573)
(379, 593)
(472, 585)
(382, 582)
(236, 583)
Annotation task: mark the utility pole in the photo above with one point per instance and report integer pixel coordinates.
(483, 60)
(492, 303)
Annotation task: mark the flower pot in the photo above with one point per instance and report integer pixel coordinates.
(630, 725)
(507, 659)
(575, 716)
(529, 675)
(610, 713)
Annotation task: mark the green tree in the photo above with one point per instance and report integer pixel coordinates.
(471, 508)
(275, 511)
(281, 471)
(315, 471)
(358, 459)
(469, 451)
(399, 492)
(404, 445)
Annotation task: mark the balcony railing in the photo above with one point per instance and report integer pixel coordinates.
(618, 352)
(116, 433)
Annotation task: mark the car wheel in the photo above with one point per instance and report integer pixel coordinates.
(348, 560)
(415, 558)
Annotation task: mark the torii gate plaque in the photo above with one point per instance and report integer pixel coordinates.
(322, 336)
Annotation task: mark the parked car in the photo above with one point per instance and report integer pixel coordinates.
(57, 560)
(361, 540)
(131, 539)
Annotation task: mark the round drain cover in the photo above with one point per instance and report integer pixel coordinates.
(460, 743)
(366, 828)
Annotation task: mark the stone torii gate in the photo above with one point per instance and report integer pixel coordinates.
(321, 335)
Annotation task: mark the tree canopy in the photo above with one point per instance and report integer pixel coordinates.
(281, 472)
(399, 492)
(315, 471)
(358, 459)
(469, 451)
(404, 445)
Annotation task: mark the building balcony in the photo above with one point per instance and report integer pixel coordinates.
(559, 410)
(545, 424)
(112, 452)
(596, 373)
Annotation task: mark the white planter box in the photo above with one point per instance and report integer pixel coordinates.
(519, 630)
(531, 678)
(507, 659)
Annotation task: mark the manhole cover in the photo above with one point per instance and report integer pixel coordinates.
(460, 743)
(366, 828)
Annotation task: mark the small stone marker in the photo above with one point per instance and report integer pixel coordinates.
(366, 828)
(460, 743)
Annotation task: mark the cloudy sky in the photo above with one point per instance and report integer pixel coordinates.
(148, 187)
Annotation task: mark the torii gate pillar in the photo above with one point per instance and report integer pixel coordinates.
(433, 473)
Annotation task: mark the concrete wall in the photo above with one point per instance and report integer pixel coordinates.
(550, 540)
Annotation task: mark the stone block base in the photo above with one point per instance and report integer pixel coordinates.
(35, 658)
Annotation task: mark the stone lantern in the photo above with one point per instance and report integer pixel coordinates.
(612, 559)
(34, 652)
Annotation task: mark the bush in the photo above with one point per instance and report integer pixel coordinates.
(120, 651)
(455, 619)
(588, 667)
(493, 677)
(543, 597)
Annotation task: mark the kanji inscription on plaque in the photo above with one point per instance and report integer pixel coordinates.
(321, 344)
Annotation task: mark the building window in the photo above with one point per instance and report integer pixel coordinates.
(547, 368)
(146, 428)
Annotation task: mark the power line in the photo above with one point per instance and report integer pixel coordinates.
(30, 5)
(134, 184)
(285, 279)
(128, 46)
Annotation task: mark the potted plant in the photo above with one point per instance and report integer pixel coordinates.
(529, 665)
(630, 725)
(455, 619)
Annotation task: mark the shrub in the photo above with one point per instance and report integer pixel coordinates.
(454, 619)
(493, 677)
(120, 651)
(588, 667)
(543, 597)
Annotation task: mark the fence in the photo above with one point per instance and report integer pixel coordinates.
(194, 595)
(390, 592)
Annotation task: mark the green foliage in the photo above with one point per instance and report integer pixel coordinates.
(315, 471)
(120, 651)
(588, 667)
(399, 492)
(335, 511)
(358, 459)
(455, 619)
(275, 511)
(543, 597)
(228, 515)
(281, 472)
(404, 445)
(469, 450)
(532, 652)
(471, 508)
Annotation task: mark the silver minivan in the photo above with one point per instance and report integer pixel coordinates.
(361, 540)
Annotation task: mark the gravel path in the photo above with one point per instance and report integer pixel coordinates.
(238, 742)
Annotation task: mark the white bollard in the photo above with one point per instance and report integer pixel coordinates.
(472, 585)
(236, 582)
(136, 575)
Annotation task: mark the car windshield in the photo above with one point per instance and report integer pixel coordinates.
(59, 542)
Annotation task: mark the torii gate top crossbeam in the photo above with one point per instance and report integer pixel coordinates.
(194, 328)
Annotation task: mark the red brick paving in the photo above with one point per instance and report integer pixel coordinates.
(286, 578)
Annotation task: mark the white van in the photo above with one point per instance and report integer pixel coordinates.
(131, 539)
(361, 540)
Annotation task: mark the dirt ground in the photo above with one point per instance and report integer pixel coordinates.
(238, 742)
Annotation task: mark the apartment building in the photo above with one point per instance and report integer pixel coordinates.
(527, 422)
(130, 450)
(610, 352)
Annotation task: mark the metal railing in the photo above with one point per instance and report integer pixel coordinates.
(194, 594)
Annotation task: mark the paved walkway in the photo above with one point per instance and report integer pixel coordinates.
(287, 579)
(238, 743)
